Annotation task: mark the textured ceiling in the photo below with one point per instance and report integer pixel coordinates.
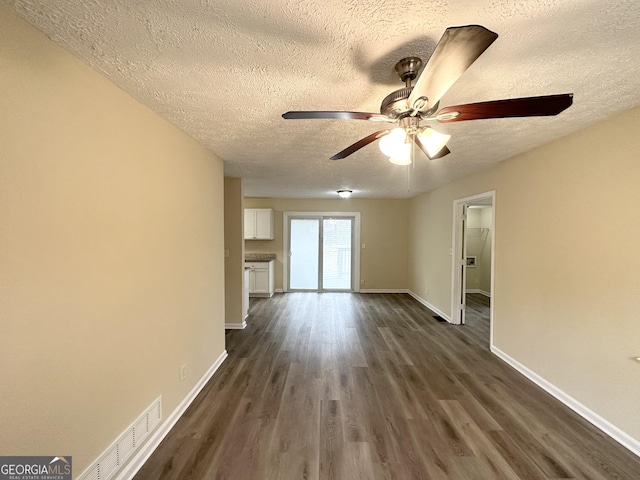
(225, 71)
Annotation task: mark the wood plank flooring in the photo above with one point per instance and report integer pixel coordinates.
(477, 317)
(349, 386)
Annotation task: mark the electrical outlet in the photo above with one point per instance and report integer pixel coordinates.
(183, 372)
(362, 282)
(426, 291)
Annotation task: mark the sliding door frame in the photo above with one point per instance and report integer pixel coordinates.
(355, 280)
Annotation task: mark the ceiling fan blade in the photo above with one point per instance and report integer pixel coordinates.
(374, 117)
(514, 107)
(363, 142)
(443, 151)
(458, 48)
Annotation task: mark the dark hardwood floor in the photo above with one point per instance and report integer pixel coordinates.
(350, 386)
(477, 317)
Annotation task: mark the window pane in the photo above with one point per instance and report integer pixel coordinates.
(336, 254)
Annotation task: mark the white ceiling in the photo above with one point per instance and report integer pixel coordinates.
(224, 72)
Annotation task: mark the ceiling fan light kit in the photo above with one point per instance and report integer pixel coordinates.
(344, 193)
(407, 107)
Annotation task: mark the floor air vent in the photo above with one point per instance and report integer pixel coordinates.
(119, 452)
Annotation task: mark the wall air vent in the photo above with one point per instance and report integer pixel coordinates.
(114, 457)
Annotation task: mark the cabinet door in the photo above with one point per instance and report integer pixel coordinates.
(261, 280)
(264, 223)
(249, 223)
(252, 281)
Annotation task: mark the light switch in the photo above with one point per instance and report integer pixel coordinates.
(226, 253)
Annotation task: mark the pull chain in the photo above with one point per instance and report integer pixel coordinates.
(410, 166)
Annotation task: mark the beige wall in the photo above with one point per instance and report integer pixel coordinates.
(566, 262)
(111, 254)
(384, 226)
(234, 244)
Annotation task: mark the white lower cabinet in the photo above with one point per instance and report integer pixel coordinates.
(245, 294)
(260, 278)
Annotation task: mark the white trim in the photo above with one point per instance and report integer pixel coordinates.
(429, 306)
(138, 460)
(278, 290)
(356, 243)
(477, 290)
(236, 326)
(456, 246)
(607, 427)
(384, 290)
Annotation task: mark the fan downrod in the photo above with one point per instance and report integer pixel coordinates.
(408, 68)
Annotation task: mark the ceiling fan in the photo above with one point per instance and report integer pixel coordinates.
(408, 107)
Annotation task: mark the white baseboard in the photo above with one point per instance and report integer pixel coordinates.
(607, 427)
(137, 461)
(477, 290)
(236, 326)
(429, 306)
(279, 290)
(384, 290)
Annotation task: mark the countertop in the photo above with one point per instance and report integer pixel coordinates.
(259, 257)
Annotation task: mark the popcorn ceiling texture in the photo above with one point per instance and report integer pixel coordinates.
(225, 71)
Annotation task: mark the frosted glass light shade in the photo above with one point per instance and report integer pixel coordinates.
(401, 159)
(433, 141)
(393, 142)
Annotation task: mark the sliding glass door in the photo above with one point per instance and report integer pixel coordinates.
(320, 253)
(304, 261)
(337, 243)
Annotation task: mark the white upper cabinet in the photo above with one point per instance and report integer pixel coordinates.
(258, 224)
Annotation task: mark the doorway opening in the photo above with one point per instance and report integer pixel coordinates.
(473, 260)
(320, 251)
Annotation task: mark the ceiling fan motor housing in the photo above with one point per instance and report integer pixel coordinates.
(395, 104)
